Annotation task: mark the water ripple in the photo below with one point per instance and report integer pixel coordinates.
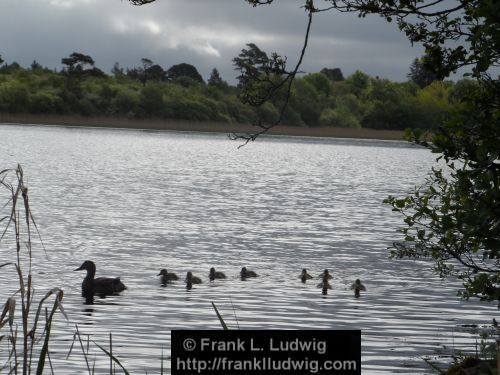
(135, 202)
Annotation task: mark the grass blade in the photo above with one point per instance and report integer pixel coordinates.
(45, 347)
(112, 357)
(222, 322)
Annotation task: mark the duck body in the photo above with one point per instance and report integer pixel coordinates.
(247, 273)
(167, 276)
(215, 274)
(326, 274)
(358, 287)
(304, 276)
(324, 284)
(191, 279)
(100, 285)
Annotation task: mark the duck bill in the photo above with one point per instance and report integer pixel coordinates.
(78, 269)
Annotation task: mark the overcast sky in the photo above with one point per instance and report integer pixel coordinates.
(204, 33)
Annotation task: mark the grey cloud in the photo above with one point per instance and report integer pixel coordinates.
(204, 33)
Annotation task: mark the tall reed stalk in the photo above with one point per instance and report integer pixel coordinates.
(29, 334)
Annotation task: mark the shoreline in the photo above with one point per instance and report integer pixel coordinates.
(192, 126)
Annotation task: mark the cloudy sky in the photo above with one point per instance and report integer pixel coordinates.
(204, 33)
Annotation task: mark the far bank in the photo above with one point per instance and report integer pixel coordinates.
(176, 125)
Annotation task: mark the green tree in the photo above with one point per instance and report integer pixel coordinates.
(152, 100)
(184, 70)
(334, 74)
(358, 82)
(215, 79)
(76, 63)
(420, 73)
(117, 70)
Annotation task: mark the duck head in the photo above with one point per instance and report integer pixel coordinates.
(87, 265)
(163, 272)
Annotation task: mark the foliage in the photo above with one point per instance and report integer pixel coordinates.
(334, 74)
(144, 92)
(215, 79)
(421, 74)
(184, 70)
(76, 63)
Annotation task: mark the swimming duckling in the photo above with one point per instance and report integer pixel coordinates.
(324, 284)
(246, 273)
(190, 280)
(167, 276)
(101, 285)
(358, 287)
(215, 275)
(325, 273)
(304, 276)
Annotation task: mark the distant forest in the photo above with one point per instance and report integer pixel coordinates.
(326, 98)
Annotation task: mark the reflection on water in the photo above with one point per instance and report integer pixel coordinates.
(137, 202)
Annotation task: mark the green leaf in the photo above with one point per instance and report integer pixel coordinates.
(400, 203)
(421, 234)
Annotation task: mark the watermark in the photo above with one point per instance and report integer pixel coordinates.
(266, 352)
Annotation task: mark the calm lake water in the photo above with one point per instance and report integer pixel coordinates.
(137, 201)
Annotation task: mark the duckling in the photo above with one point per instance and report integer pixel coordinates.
(167, 276)
(325, 273)
(304, 276)
(101, 285)
(324, 284)
(358, 287)
(190, 280)
(246, 273)
(215, 275)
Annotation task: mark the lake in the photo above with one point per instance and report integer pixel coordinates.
(138, 201)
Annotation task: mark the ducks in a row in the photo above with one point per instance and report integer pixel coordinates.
(107, 285)
(325, 276)
(167, 277)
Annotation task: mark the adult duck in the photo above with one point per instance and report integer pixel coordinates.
(215, 274)
(358, 287)
(100, 285)
(191, 279)
(304, 276)
(167, 276)
(247, 273)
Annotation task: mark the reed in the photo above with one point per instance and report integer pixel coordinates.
(23, 336)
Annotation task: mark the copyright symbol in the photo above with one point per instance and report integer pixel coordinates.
(189, 345)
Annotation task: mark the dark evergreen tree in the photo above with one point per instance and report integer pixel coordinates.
(420, 73)
(215, 79)
(155, 73)
(334, 74)
(250, 62)
(36, 66)
(117, 70)
(184, 70)
(76, 63)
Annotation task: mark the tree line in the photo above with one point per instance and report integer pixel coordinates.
(324, 98)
